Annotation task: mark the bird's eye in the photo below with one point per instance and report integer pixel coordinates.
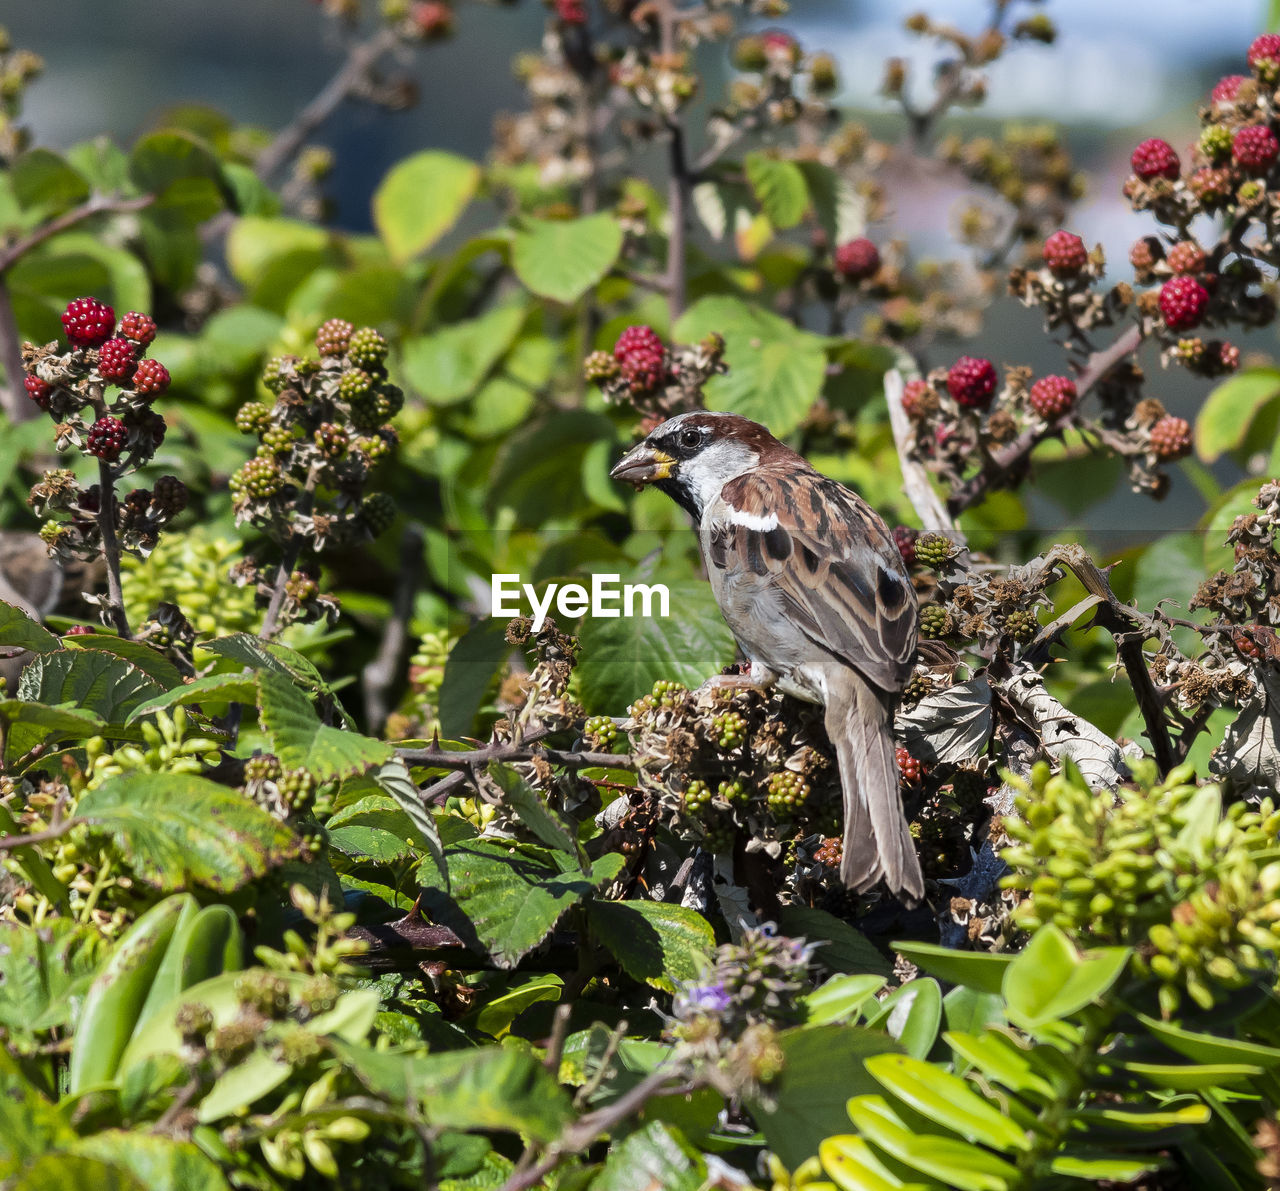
(690, 438)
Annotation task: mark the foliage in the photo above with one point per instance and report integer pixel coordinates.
(316, 876)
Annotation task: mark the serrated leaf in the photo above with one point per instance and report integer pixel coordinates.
(421, 198)
(146, 658)
(662, 944)
(779, 186)
(623, 657)
(652, 1157)
(450, 363)
(539, 818)
(946, 1100)
(375, 827)
(563, 258)
(74, 1172)
(41, 970)
(179, 830)
(43, 181)
(158, 1163)
(394, 778)
(95, 681)
(504, 899)
(20, 631)
(1230, 410)
(29, 1124)
(269, 656)
(776, 370)
(300, 740)
(950, 726)
(841, 210)
(212, 688)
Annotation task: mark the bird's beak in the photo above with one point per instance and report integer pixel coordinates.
(643, 465)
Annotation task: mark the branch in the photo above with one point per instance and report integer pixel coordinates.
(288, 560)
(930, 510)
(98, 205)
(677, 182)
(578, 1136)
(9, 842)
(111, 549)
(348, 79)
(379, 674)
(1009, 460)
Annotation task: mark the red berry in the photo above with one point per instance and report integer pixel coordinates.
(151, 377)
(1264, 57)
(1213, 187)
(431, 19)
(904, 537)
(1225, 89)
(1255, 148)
(911, 768)
(88, 322)
(781, 46)
(1065, 254)
(38, 390)
(116, 359)
(1229, 357)
(913, 393)
(141, 328)
(972, 382)
(1171, 438)
(1053, 396)
(1186, 257)
(107, 437)
(640, 355)
(1145, 253)
(1155, 158)
(858, 259)
(79, 630)
(571, 12)
(1183, 301)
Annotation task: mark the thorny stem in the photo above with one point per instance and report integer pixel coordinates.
(346, 81)
(111, 549)
(288, 560)
(98, 205)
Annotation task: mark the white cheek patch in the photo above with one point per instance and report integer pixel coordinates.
(754, 520)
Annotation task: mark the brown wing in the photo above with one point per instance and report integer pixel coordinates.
(830, 557)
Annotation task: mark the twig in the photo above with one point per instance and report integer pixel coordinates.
(678, 180)
(555, 1044)
(929, 508)
(98, 205)
(56, 831)
(578, 1136)
(379, 674)
(1012, 458)
(348, 79)
(111, 549)
(288, 560)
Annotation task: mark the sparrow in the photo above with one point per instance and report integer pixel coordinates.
(808, 578)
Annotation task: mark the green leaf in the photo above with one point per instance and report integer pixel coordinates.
(842, 949)
(72, 1172)
(841, 210)
(776, 370)
(497, 1013)
(664, 945)
(1001, 1058)
(29, 1124)
(957, 1163)
(1144, 1120)
(840, 998)
(623, 657)
(394, 778)
(20, 631)
(45, 182)
(35, 723)
(255, 244)
(449, 364)
(1050, 980)
(543, 823)
(93, 681)
(267, 656)
(243, 1084)
(1110, 1167)
(912, 1014)
(1231, 408)
(652, 1157)
(374, 827)
(779, 187)
(158, 1163)
(946, 1100)
(1210, 1048)
(33, 863)
(421, 198)
(853, 1166)
(469, 672)
(145, 658)
(180, 170)
(212, 688)
(563, 258)
(504, 898)
(1192, 1077)
(974, 969)
(180, 830)
(823, 1068)
(300, 740)
(42, 970)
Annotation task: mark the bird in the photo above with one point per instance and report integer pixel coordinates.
(816, 593)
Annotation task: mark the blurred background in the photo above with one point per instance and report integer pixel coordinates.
(1118, 72)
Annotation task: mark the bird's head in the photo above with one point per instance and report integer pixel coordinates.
(691, 457)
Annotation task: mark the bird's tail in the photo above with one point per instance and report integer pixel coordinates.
(877, 839)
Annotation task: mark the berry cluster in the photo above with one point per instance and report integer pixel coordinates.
(652, 377)
(934, 550)
(912, 769)
(788, 792)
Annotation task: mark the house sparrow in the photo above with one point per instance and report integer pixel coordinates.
(809, 580)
